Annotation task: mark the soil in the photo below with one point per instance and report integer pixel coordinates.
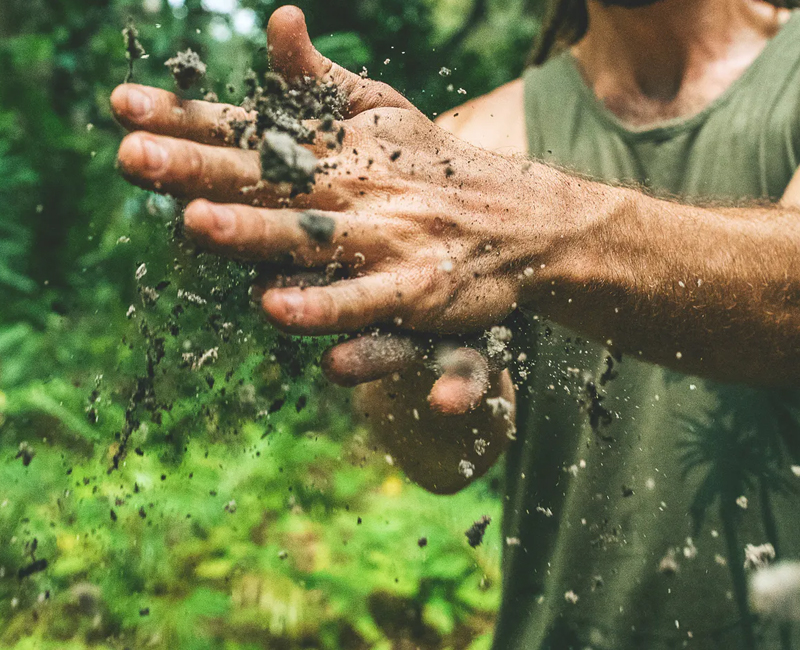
(318, 226)
(285, 161)
(133, 48)
(476, 532)
(26, 453)
(186, 68)
(279, 126)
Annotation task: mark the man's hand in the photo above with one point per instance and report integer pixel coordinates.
(414, 231)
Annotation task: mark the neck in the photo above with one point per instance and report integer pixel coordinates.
(653, 52)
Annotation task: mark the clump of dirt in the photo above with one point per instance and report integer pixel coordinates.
(285, 161)
(187, 69)
(26, 453)
(133, 48)
(278, 126)
(476, 532)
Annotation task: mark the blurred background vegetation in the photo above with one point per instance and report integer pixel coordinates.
(246, 510)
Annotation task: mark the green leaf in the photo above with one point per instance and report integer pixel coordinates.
(345, 48)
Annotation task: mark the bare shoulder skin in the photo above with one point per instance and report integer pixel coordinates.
(495, 121)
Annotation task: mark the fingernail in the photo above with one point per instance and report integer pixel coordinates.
(139, 104)
(224, 219)
(294, 305)
(155, 157)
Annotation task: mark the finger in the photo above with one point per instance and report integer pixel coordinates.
(187, 169)
(312, 237)
(464, 382)
(346, 306)
(158, 111)
(293, 56)
(279, 277)
(370, 357)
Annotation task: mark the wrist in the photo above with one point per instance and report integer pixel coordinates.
(584, 224)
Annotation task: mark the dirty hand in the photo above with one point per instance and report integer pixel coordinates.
(433, 234)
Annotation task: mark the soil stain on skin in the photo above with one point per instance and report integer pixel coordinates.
(317, 226)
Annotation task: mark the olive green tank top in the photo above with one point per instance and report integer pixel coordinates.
(633, 491)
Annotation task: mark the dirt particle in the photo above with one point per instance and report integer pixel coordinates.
(476, 532)
(669, 565)
(775, 591)
(758, 557)
(500, 407)
(133, 48)
(26, 453)
(466, 469)
(422, 542)
(33, 567)
(186, 68)
(285, 161)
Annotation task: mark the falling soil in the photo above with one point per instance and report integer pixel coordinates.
(476, 532)
(186, 68)
(279, 125)
(133, 48)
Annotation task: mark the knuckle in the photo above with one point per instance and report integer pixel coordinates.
(330, 313)
(192, 163)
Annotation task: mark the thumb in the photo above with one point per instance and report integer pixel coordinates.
(463, 384)
(293, 56)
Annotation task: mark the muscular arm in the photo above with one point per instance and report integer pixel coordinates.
(713, 292)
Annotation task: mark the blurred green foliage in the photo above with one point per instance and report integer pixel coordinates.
(249, 511)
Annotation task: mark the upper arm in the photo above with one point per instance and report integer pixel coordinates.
(495, 121)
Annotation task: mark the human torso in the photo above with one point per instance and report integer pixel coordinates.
(632, 495)
(656, 481)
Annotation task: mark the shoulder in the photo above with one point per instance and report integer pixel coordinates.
(495, 121)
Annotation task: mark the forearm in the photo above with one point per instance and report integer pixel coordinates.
(712, 292)
(429, 446)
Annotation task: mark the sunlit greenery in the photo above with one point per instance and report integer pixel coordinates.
(248, 510)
